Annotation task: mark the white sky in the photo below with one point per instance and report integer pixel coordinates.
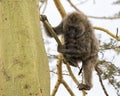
(100, 8)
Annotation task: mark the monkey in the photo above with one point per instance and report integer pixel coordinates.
(80, 44)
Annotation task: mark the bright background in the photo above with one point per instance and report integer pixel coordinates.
(97, 8)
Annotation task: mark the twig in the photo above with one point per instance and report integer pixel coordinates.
(117, 33)
(55, 88)
(59, 67)
(69, 1)
(59, 71)
(68, 88)
(103, 17)
(60, 78)
(114, 17)
(71, 73)
(84, 93)
(107, 31)
(100, 79)
(60, 8)
(46, 2)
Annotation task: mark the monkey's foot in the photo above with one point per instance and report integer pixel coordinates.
(84, 87)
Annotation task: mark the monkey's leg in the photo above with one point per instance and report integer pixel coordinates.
(72, 61)
(72, 51)
(87, 74)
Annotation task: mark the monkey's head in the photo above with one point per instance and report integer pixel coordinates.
(75, 20)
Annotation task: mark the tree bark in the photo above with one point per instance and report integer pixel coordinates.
(24, 67)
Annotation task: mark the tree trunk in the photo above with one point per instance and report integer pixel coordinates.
(24, 67)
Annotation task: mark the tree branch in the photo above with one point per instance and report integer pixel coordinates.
(114, 17)
(60, 8)
(108, 32)
(100, 79)
(68, 88)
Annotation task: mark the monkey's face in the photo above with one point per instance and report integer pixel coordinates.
(73, 30)
(74, 25)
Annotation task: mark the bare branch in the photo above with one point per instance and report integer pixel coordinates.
(46, 2)
(68, 88)
(100, 79)
(60, 8)
(108, 32)
(103, 17)
(55, 88)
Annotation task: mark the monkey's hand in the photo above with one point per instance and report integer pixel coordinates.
(43, 18)
(68, 51)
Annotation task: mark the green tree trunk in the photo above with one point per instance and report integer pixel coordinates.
(24, 67)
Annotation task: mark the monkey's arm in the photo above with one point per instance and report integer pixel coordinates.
(58, 29)
(62, 49)
(84, 51)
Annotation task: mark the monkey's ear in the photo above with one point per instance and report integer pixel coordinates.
(43, 18)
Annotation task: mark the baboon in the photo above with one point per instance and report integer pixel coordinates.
(80, 44)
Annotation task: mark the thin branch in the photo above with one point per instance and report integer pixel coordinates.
(68, 88)
(46, 2)
(55, 88)
(103, 17)
(57, 73)
(60, 79)
(84, 93)
(115, 48)
(108, 32)
(73, 5)
(114, 17)
(117, 33)
(59, 67)
(41, 5)
(100, 79)
(71, 73)
(115, 87)
(60, 8)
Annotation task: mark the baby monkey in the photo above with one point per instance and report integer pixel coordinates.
(80, 44)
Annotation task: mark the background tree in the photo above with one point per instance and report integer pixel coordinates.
(23, 62)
